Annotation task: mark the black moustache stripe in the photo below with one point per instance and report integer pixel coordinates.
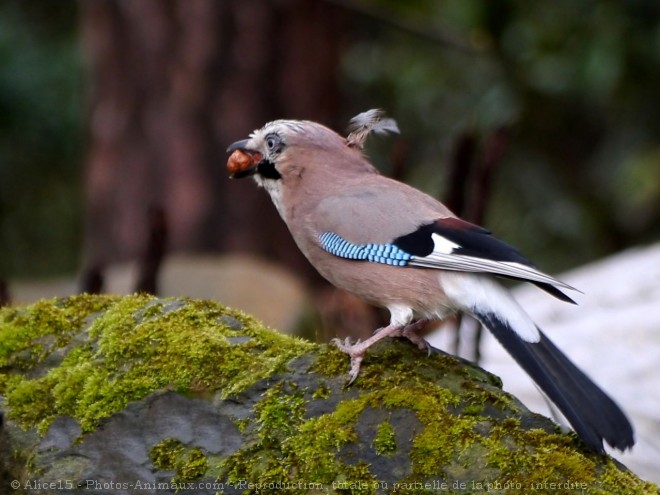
(267, 170)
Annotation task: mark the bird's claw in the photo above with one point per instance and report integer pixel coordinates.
(356, 353)
(355, 369)
(345, 345)
(410, 332)
(421, 343)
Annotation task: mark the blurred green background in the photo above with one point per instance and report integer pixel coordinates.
(575, 84)
(42, 119)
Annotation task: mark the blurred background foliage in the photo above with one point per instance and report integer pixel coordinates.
(574, 84)
(41, 138)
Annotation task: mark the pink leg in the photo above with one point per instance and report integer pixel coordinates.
(411, 333)
(357, 351)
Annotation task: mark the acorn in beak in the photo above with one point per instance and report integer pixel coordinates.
(242, 162)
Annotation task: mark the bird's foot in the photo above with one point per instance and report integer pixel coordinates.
(355, 351)
(411, 332)
(358, 350)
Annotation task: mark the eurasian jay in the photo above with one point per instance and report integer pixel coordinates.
(398, 248)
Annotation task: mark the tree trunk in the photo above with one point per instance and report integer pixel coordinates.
(172, 84)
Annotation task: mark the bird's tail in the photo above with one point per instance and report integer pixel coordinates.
(590, 411)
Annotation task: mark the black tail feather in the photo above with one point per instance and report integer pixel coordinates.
(591, 412)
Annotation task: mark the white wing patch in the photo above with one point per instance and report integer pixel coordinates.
(443, 245)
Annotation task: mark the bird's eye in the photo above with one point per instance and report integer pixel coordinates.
(273, 143)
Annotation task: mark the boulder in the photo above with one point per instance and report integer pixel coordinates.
(136, 394)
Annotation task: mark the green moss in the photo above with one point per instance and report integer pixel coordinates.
(443, 435)
(477, 394)
(29, 335)
(312, 449)
(134, 346)
(171, 455)
(279, 413)
(330, 361)
(322, 392)
(358, 480)
(385, 441)
(611, 479)
(473, 409)
(242, 424)
(88, 356)
(165, 453)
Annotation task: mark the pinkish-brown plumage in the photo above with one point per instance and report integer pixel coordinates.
(396, 247)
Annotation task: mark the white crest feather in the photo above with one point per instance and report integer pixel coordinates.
(365, 123)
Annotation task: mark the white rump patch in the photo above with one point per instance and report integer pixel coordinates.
(475, 293)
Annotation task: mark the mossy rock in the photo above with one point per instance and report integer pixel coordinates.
(138, 394)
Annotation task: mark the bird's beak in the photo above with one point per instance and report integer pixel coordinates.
(242, 162)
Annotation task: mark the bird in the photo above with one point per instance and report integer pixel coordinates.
(398, 248)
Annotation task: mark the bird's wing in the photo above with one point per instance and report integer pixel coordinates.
(407, 228)
(454, 244)
(367, 209)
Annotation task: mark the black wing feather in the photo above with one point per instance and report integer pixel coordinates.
(474, 241)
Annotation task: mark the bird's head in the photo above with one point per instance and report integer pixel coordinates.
(285, 147)
(268, 152)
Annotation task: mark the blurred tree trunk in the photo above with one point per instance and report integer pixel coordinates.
(172, 84)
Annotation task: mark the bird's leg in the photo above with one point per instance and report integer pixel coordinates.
(357, 351)
(411, 332)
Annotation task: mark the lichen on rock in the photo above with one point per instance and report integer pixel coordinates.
(100, 389)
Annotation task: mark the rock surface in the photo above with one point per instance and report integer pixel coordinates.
(135, 394)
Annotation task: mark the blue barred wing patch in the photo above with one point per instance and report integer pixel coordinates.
(388, 254)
